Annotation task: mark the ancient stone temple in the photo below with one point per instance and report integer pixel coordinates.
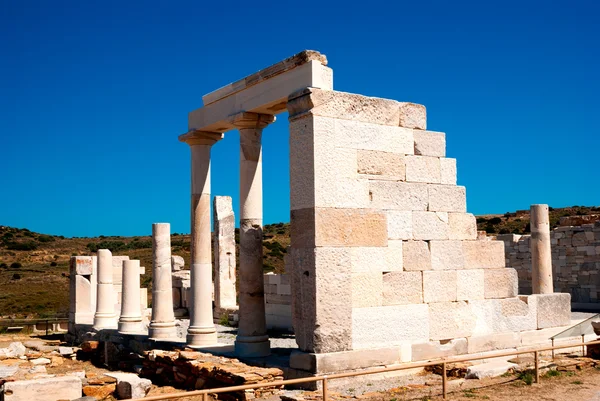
(385, 261)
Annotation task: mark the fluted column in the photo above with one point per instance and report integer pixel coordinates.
(105, 316)
(162, 324)
(252, 339)
(202, 330)
(541, 251)
(130, 320)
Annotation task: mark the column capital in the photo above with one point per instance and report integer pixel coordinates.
(246, 119)
(201, 137)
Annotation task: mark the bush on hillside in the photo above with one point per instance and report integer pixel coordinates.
(46, 238)
(16, 265)
(22, 246)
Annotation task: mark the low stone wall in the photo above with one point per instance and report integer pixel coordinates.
(278, 302)
(575, 260)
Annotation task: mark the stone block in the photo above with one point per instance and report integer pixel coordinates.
(501, 283)
(376, 259)
(439, 349)
(446, 255)
(396, 195)
(82, 265)
(448, 320)
(400, 288)
(368, 136)
(447, 198)
(484, 254)
(413, 115)
(46, 389)
(492, 342)
(416, 255)
(448, 171)
(470, 284)
(423, 169)
(430, 143)
(395, 325)
(367, 289)
(504, 315)
(553, 310)
(130, 385)
(344, 361)
(439, 286)
(381, 163)
(462, 226)
(430, 225)
(400, 224)
(177, 263)
(489, 369)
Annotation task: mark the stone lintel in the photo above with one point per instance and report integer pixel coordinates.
(278, 68)
(251, 120)
(200, 137)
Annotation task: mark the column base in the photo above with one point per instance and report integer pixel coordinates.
(105, 321)
(130, 327)
(199, 337)
(250, 347)
(162, 330)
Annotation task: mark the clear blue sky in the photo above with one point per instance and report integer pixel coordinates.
(93, 95)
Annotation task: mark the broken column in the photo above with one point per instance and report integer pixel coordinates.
(130, 320)
(541, 252)
(105, 317)
(252, 339)
(224, 246)
(82, 294)
(162, 324)
(202, 330)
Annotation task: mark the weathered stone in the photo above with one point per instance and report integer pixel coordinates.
(395, 195)
(553, 310)
(373, 162)
(47, 389)
(438, 349)
(377, 259)
(501, 283)
(430, 225)
(462, 226)
(423, 169)
(439, 286)
(483, 254)
(448, 171)
(177, 263)
(413, 115)
(401, 288)
(447, 198)
(430, 143)
(448, 320)
(40, 361)
(367, 136)
(412, 319)
(15, 350)
(344, 361)
(225, 253)
(446, 255)
(490, 369)
(400, 224)
(99, 392)
(366, 289)
(416, 255)
(470, 284)
(350, 227)
(492, 342)
(129, 385)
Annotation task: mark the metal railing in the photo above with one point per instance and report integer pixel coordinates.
(9, 323)
(411, 365)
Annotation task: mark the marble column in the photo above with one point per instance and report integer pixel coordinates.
(105, 316)
(202, 330)
(162, 323)
(224, 247)
(252, 339)
(130, 320)
(541, 252)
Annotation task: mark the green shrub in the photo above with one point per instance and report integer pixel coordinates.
(53, 264)
(46, 238)
(22, 246)
(495, 220)
(527, 376)
(16, 276)
(3, 266)
(16, 265)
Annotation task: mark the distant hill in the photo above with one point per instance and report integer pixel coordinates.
(34, 268)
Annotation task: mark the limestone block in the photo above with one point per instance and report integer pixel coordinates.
(446, 255)
(462, 226)
(504, 315)
(413, 115)
(177, 263)
(117, 268)
(395, 325)
(553, 310)
(130, 385)
(501, 283)
(439, 349)
(344, 361)
(416, 255)
(397, 195)
(470, 284)
(367, 289)
(484, 254)
(430, 225)
(423, 169)
(82, 265)
(342, 105)
(447, 198)
(366, 136)
(439, 286)
(489, 369)
(448, 171)
(399, 224)
(448, 320)
(46, 389)
(430, 143)
(376, 259)
(401, 288)
(492, 342)
(387, 164)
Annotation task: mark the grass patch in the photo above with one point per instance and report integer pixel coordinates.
(552, 373)
(527, 376)
(577, 382)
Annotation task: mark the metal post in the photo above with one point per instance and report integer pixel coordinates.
(325, 388)
(205, 397)
(583, 345)
(537, 367)
(553, 350)
(444, 380)
(46, 328)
